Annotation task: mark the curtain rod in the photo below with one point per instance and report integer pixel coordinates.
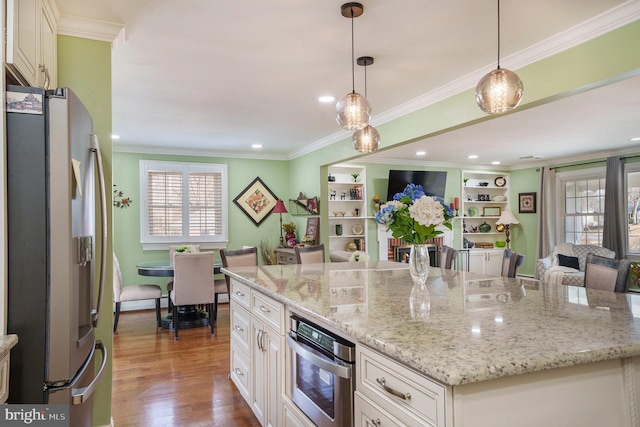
(593, 162)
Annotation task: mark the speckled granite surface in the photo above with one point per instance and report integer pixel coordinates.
(478, 327)
(7, 342)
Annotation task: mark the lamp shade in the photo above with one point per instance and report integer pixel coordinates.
(507, 218)
(366, 140)
(499, 91)
(280, 208)
(353, 111)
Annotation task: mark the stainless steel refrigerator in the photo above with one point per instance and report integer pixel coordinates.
(54, 172)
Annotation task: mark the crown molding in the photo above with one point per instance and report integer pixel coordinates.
(88, 28)
(181, 151)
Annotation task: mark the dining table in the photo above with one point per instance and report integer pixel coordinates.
(189, 316)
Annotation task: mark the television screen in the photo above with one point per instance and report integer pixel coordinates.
(432, 182)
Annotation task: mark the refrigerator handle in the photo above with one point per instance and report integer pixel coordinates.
(80, 395)
(95, 148)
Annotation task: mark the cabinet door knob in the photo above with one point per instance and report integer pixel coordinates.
(238, 373)
(376, 422)
(238, 328)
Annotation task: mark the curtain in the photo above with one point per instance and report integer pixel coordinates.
(547, 218)
(615, 231)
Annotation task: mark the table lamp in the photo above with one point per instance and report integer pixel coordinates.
(506, 219)
(280, 209)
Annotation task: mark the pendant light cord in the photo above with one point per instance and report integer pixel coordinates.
(365, 79)
(353, 70)
(498, 34)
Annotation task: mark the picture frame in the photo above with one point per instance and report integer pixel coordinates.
(491, 211)
(527, 202)
(313, 225)
(256, 201)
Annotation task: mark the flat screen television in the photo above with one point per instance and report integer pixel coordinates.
(433, 182)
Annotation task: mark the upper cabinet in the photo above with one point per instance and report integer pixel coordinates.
(31, 42)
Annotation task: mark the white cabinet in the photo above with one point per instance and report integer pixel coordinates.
(486, 261)
(257, 356)
(347, 208)
(31, 42)
(390, 394)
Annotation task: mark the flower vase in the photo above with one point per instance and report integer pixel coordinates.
(419, 263)
(419, 299)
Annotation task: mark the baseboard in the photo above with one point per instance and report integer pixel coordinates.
(151, 304)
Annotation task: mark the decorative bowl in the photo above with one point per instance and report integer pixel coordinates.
(501, 244)
(483, 184)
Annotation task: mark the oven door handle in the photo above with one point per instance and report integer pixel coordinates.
(339, 370)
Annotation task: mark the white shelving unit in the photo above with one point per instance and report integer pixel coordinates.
(484, 196)
(347, 207)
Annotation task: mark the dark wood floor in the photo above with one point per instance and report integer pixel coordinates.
(161, 382)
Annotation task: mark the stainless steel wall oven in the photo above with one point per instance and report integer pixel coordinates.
(322, 373)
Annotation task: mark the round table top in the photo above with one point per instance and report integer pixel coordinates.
(164, 269)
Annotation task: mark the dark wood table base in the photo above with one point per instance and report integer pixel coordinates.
(189, 317)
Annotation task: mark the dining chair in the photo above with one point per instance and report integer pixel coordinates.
(245, 257)
(511, 263)
(172, 252)
(132, 293)
(606, 273)
(448, 257)
(193, 284)
(313, 254)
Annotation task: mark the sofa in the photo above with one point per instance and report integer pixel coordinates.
(566, 263)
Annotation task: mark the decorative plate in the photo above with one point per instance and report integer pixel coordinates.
(499, 198)
(500, 181)
(473, 211)
(357, 229)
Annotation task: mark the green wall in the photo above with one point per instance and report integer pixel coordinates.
(242, 231)
(77, 59)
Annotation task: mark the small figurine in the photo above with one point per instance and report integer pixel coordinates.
(343, 195)
(333, 195)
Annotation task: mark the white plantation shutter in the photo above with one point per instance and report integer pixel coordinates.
(183, 203)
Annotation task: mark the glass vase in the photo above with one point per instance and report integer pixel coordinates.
(419, 299)
(419, 263)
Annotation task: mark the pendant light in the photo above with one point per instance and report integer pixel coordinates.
(366, 140)
(501, 90)
(353, 111)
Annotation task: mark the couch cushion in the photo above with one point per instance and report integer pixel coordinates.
(569, 261)
(581, 252)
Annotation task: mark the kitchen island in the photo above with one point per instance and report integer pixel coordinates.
(497, 351)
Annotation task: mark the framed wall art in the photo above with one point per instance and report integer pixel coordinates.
(527, 202)
(256, 201)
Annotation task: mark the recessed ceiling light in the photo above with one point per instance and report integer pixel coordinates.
(256, 146)
(420, 153)
(495, 163)
(634, 139)
(327, 98)
(473, 156)
(115, 136)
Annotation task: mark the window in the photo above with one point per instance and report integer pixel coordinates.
(183, 203)
(583, 208)
(633, 207)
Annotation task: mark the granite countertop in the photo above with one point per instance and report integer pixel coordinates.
(478, 327)
(7, 342)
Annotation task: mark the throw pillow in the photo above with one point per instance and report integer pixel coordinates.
(568, 261)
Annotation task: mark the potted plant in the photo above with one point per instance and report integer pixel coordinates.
(290, 230)
(355, 176)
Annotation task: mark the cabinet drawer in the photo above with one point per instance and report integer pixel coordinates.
(240, 326)
(383, 380)
(285, 258)
(268, 311)
(240, 371)
(367, 414)
(241, 293)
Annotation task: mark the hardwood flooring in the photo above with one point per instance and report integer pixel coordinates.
(161, 382)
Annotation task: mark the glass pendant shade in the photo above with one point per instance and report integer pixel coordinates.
(353, 111)
(366, 140)
(499, 91)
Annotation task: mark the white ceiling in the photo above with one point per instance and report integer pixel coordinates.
(218, 76)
